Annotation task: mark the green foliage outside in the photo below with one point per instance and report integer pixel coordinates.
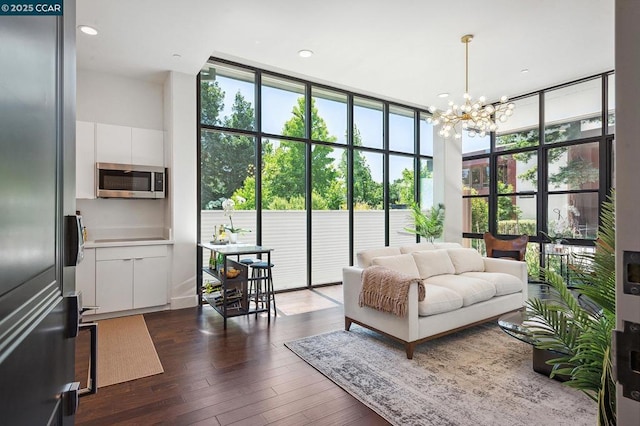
(367, 193)
(577, 172)
(228, 171)
(226, 159)
(517, 227)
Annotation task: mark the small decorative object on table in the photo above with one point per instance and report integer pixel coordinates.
(229, 206)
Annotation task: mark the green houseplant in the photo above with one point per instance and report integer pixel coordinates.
(581, 332)
(428, 224)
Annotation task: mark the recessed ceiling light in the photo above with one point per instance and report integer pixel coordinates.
(88, 30)
(524, 71)
(443, 95)
(305, 53)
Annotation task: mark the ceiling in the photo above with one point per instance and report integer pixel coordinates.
(402, 50)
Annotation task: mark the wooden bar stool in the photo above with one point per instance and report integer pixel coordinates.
(261, 271)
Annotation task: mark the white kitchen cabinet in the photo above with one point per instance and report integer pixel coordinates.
(129, 145)
(149, 282)
(85, 159)
(147, 147)
(131, 277)
(86, 279)
(113, 144)
(114, 285)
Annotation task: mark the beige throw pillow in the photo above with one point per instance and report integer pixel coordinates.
(433, 262)
(366, 256)
(446, 245)
(402, 263)
(417, 247)
(466, 260)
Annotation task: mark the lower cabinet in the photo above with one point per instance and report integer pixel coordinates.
(86, 278)
(130, 277)
(149, 275)
(114, 284)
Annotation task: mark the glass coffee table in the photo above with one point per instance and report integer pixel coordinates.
(512, 324)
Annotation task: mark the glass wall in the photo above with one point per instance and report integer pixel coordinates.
(316, 173)
(426, 135)
(401, 196)
(368, 201)
(329, 217)
(542, 174)
(283, 107)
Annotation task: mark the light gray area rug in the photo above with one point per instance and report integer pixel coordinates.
(479, 376)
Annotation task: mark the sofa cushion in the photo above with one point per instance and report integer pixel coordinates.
(466, 260)
(446, 245)
(438, 300)
(365, 256)
(402, 263)
(433, 262)
(417, 247)
(504, 283)
(472, 290)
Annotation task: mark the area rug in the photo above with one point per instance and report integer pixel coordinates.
(125, 351)
(479, 376)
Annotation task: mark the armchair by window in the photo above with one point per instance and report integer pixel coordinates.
(514, 248)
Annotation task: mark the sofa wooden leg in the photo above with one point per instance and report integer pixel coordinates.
(347, 323)
(409, 347)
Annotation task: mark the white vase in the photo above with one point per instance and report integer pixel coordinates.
(233, 237)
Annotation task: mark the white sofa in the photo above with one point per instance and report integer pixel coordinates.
(462, 289)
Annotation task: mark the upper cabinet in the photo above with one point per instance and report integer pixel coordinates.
(85, 159)
(129, 145)
(108, 143)
(113, 144)
(147, 147)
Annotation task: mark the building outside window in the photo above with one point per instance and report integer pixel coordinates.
(547, 158)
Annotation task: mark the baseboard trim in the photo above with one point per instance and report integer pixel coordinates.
(184, 302)
(100, 316)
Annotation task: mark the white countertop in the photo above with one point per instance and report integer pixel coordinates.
(126, 242)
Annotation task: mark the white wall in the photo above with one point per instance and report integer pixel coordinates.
(112, 99)
(171, 107)
(180, 149)
(115, 218)
(447, 184)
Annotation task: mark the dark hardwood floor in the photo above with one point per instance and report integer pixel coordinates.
(242, 376)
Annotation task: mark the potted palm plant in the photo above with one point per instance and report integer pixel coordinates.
(580, 333)
(428, 224)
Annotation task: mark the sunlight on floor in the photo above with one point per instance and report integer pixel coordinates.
(297, 302)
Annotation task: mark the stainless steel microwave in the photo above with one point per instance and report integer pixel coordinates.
(129, 181)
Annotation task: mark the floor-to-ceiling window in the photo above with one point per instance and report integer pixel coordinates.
(545, 172)
(316, 173)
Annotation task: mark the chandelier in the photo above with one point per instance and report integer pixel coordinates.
(473, 115)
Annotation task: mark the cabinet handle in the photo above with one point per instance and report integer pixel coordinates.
(127, 260)
(139, 258)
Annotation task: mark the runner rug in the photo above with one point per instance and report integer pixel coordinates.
(125, 351)
(479, 376)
